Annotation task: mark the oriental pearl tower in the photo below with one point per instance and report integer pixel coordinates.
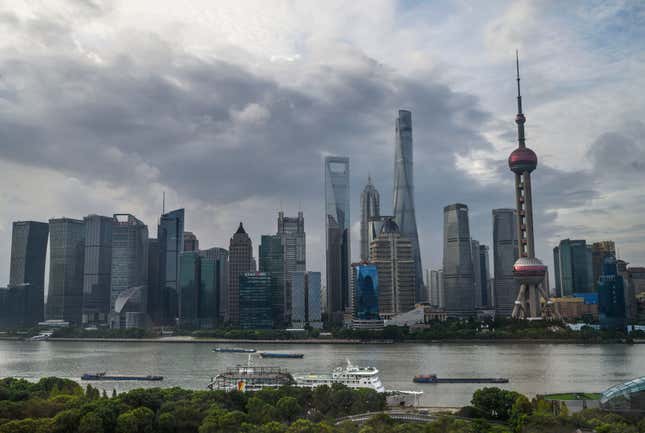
(527, 270)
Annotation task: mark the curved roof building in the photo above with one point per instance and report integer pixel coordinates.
(628, 397)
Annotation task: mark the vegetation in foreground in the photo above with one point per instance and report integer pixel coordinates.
(55, 405)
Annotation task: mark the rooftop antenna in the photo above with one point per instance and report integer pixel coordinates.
(163, 203)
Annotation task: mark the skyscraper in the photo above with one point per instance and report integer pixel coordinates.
(209, 292)
(170, 234)
(240, 261)
(528, 270)
(292, 232)
(220, 257)
(97, 269)
(305, 296)
(484, 269)
(611, 297)
(66, 256)
(337, 234)
(129, 267)
(404, 213)
(370, 208)
(255, 299)
(505, 254)
(154, 287)
(191, 243)
(366, 296)
(189, 282)
(392, 254)
(28, 255)
(436, 290)
(573, 265)
(599, 252)
(272, 261)
(458, 278)
(477, 275)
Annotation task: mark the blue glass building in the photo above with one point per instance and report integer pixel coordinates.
(611, 297)
(256, 310)
(366, 293)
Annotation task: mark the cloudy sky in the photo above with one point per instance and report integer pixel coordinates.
(229, 107)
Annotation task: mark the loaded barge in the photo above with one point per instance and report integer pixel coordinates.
(105, 376)
(432, 378)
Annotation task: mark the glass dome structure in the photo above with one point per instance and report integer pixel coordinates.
(628, 397)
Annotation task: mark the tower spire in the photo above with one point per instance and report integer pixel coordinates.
(519, 119)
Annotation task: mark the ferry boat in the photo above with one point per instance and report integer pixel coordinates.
(282, 355)
(233, 350)
(350, 375)
(251, 378)
(432, 378)
(105, 376)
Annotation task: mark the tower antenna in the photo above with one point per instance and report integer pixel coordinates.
(163, 203)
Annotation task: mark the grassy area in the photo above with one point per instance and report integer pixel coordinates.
(568, 396)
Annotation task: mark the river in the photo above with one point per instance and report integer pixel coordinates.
(532, 369)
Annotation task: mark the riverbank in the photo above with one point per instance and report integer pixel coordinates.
(294, 341)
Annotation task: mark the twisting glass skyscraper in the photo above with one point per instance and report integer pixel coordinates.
(370, 208)
(404, 213)
(337, 226)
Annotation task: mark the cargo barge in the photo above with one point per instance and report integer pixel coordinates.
(105, 376)
(282, 355)
(432, 378)
(233, 350)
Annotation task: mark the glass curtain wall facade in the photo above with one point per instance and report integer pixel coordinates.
(337, 233)
(484, 270)
(611, 297)
(573, 267)
(292, 232)
(599, 252)
(97, 269)
(27, 267)
(367, 293)
(240, 262)
(209, 290)
(458, 278)
(404, 210)
(505, 254)
(370, 209)
(170, 234)
(256, 311)
(220, 258)
(189, 281)
(66, 256)
(271, 255)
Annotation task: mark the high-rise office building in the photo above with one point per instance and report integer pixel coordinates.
(292, 232)
(505, 254)
(436, 291)
(209, 292)
(599, 252)
(154, 286)
(528, 270)
(477, 276)
(370, 208)
(271, 257)
(366, 292)
(255, 305)
(573, 267)
(66, 256)
(484, 271)
(458, 278)
(28, 255)
(611, 297)
(191, 243)
(97, 269)
(337, 234)
(240, 261)
(219, 256)
(306, 300)
(314, 300)
(189, 282)
(392, 254)
(129, 274)
(170, 234)
(15, 306)
(404, 213)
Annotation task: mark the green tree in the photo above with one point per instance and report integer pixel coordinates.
(29, 425)
(66, 421)
(259, 411)
(167, 423)
(288, 408)
(494, 402)
(91, 422)
(139, 420)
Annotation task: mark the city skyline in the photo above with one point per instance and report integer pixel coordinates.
(457, 122)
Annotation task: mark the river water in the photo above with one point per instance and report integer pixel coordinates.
(532, 369)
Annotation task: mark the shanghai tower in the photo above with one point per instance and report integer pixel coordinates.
(528, 271)
(404, 214)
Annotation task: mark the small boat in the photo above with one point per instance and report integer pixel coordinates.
(105, 376)
(233, 350)
(432, 378)
(282, 355)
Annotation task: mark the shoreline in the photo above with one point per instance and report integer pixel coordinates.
(308, 341)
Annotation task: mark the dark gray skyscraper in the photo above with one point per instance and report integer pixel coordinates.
(97, 269)
(505, 254)
(292, 232)
(170, 235)
(219, 256)
(66, 256)
(28, 255)
(337, 227)
(404, 213)
(458, 281)
(129, 264)
(484, 270)
(240, 262)
(477, 273)
(370, 208)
